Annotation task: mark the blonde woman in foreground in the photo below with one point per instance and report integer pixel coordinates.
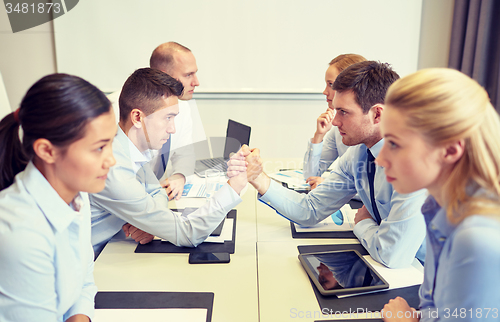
(442, 133)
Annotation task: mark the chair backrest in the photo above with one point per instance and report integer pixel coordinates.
(4, 100)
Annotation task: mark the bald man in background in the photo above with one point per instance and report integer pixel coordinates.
(179, 62)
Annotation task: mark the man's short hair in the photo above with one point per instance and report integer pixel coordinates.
(162, 57)
(368, 80)
(145, 90)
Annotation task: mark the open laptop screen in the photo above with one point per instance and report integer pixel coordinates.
(237, 134)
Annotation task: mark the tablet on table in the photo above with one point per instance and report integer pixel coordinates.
(341, 272)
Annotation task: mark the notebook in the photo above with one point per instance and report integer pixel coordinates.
(237, 134)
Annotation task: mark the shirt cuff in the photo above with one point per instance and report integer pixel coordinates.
(361, 227)
(83, 306)
(271, 193)
(315, 148)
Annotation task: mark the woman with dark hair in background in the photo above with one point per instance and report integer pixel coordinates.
(46, 258)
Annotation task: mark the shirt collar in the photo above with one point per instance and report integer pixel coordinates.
(137, 157)
(436, 219)
(58, 213)
(375, 149)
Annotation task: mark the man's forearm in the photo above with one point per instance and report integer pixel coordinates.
(261, 183)
(78, 318)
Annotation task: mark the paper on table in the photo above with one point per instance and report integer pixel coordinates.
(293, 178)
(134, 315)
(342, 220)
(197, 190)
(226, 233)
(396, 277)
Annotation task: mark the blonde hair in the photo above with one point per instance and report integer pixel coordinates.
(343, 61)
(445, 105)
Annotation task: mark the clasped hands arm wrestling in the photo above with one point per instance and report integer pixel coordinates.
(245, 160)
(237, 173)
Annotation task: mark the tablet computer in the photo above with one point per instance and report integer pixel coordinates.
(341, 272)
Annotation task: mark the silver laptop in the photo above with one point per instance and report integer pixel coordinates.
(237, 134)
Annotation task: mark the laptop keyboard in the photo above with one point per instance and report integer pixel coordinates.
(217, 163)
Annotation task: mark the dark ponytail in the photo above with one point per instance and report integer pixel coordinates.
(12, 157)
(57, 108)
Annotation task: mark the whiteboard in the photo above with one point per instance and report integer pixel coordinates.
(260, 46)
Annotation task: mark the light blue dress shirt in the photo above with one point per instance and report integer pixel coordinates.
(400, 236)
(320, 156)
(462, 268)
(46, 259)
(134, 195)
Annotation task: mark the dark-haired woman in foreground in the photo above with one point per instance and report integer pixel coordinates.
(46, 258)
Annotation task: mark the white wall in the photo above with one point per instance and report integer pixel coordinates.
(243, 46)
(25, 57)
(4, 100)
(280, 128)
(435, 33)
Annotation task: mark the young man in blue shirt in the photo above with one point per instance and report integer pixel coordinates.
(133, 197)
(394, 230)
(179, 62)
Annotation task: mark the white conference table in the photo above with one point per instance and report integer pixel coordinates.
(263, 282)
(285, 292)
(118, 268)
